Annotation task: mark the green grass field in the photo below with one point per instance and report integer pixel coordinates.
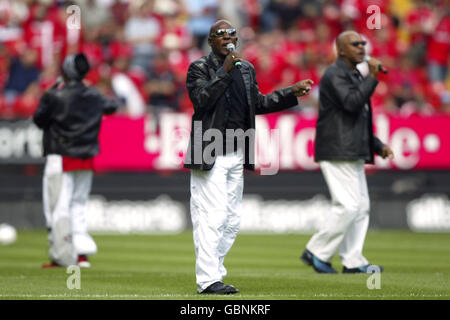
(161, 267)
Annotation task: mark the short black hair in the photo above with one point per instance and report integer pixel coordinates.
(82, 64)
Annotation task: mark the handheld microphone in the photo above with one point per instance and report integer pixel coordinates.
(380, 67)
(231, 48)
(58, 82)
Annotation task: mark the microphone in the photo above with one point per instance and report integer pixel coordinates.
(380, 67)
(231, 48)
(58, 82)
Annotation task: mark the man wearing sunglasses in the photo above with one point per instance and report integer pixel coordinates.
(344, 143)
(226, 99)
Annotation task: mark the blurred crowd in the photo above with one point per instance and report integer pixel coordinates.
(140, 50)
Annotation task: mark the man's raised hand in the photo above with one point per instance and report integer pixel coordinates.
(302, 88)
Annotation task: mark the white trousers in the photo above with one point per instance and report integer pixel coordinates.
(216, 197)
(345, 227)
(65, 196)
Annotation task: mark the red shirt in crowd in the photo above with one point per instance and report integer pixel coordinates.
(439, 43)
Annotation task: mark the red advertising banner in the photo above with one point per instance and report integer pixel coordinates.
(284, 141)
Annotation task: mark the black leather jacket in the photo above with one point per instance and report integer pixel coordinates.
(207, 83)
(71, 119)
(342, 131)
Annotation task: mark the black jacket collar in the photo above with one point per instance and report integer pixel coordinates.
(343, 65)
(74, 83)
(213, 61)
(216, 64)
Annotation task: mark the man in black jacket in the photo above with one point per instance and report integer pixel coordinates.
(226, 99)
(70, 117)
(344, 142)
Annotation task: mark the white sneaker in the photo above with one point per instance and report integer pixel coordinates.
(83, 262)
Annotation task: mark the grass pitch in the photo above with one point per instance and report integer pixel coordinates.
(262, 266)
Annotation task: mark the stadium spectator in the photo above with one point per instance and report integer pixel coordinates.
(420, 23)
(99, 24)
(161, 86)
(94, 15)
(93, 49)
(26, 104)
(141, 31)
(4, 65)
(445, 100)
(284, 29)
(125, 88)
(120, 12)
(239, 13)
(12, 15)
(46, 30)
(385, 44)
(49, 74)
(438, 57)
(22, 72)
(286, 13)
(269, 75)
(406, 83)
(202, 14)
(323, 47)
(175, 34)
(267, 19)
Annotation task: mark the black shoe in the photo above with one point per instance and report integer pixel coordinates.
(219, 288)
(318, 265)
(368, 268)
(231, 289)
(307, 257)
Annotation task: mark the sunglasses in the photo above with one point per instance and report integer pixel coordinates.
(221, 32)
(357, 43)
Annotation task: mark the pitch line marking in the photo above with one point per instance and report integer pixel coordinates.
(320, 295)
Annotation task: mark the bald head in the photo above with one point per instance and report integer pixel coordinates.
(344, 37)
(220, 24)
(219, 42)
(350, 47)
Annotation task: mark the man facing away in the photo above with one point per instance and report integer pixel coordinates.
(70, 117)
(344, 143)
(226, 98)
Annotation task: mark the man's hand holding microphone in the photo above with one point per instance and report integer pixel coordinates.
(375, 66)
(232, 59)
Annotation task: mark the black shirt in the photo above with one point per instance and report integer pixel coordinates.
(237, 107)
